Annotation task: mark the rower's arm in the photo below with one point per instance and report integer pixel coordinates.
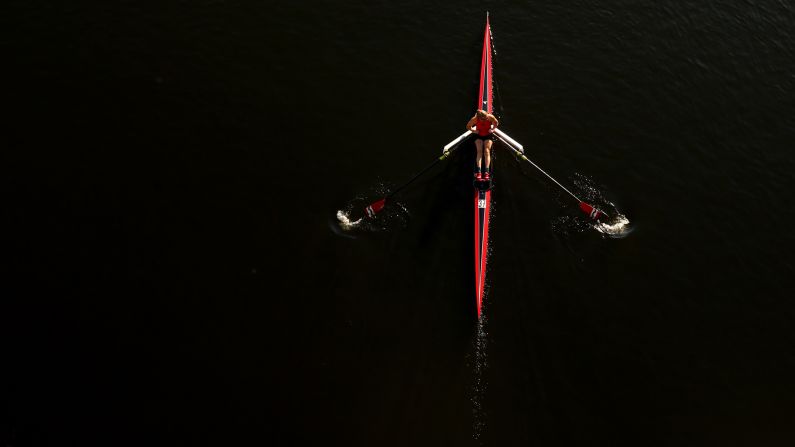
(495, 121)
(471, 123)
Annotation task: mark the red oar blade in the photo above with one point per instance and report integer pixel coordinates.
(594, 213)
(375, 208)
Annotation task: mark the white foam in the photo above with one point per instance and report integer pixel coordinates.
(345, 222)
(617, 228)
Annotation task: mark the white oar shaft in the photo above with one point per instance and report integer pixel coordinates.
(504, 136)
(506, 141)
(457, 141)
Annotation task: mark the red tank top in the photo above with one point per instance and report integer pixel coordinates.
(483, 127)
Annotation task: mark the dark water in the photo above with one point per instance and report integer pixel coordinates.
(171, 175)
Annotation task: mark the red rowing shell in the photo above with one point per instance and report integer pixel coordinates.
(483, 194)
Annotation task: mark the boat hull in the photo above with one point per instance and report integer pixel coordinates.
(482, 189)
(482, 210)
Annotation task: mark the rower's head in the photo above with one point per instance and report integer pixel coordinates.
(481, 114)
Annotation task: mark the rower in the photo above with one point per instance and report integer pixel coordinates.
(483, 124)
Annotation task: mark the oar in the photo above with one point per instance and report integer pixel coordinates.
(586, 208)
(375, 207)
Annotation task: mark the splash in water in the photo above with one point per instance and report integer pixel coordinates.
(617, 227)
(352, 219)
(346, 224)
